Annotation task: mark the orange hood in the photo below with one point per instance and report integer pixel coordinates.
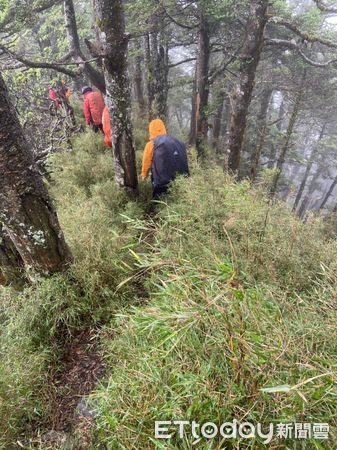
(156, 128)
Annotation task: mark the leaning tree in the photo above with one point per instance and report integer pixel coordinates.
(26, 210)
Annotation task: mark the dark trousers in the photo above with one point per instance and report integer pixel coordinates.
(97, 128)
(158, 191)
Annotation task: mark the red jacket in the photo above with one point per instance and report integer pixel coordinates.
(93, 107)
(53, 96)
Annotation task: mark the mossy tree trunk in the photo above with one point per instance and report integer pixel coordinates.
(75, 51)
(308, 196)
(328, 194)
(261, 132)
(157, 70)
(11, 263)
(192, 136)
(138, 78)
(279, 126)
(308, 169)
(26, 210)
(288, 136)
(202, 84)
(111, 22)
(242, 95)
(218, 118)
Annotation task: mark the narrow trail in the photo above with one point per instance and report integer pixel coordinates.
(81, 369)
(71, 419)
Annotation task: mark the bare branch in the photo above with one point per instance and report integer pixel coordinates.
(38, 64)
(307, 37)
(182, 25)
(182, 62)
(293, 46)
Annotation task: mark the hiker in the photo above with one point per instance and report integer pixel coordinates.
(165, 156)
(53, 96)
(93, 107)
(106, 127)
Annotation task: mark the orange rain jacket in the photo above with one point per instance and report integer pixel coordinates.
(156, 128)
(93, 107)
(106, 127)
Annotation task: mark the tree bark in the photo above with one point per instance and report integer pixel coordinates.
(95, 77)
(328, 194)
(25, 207)
(138, 79)
(272, 156)
(308, 169)
(289, 133)
(149, 75)
(156, 57)
(306, 200)
(241, 97)
(114, 42)
(161, 83)
(218, 117)
(192, 137)
(261, 132)
(11, 263)
(202, 85)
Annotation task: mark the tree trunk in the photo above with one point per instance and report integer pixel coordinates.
(202, 85)
(241, 98)
(217, 124)
(328, 194)
(261, 132)
(149, 75)
(161, 83)
(272, 156)
(96, 77)
(289, 133)
(138, 79)
(308, 169)
(114, 44)
(305, 202)
(25, 207)
(157, 64)
(192, 137)
(11, 263)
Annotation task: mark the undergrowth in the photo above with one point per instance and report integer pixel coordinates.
(39, 322)
(199, 306)
(242, 298)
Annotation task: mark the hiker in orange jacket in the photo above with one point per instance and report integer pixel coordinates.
(93, 107)
(106, 127)
(165, 156)
(156, 128)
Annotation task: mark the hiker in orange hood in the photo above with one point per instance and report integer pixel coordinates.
(165, 156)
(106, 127)
(156, 128)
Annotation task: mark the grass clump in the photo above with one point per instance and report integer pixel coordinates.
(241, 298)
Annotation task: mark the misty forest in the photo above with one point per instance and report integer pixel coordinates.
(168, 224)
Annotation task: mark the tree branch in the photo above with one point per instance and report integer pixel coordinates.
(293, 46)
(12, 12)
(38, 64)
(307, 37)
(182, 25)
(182, 62)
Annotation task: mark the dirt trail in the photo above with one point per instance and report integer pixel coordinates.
(71, 418)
